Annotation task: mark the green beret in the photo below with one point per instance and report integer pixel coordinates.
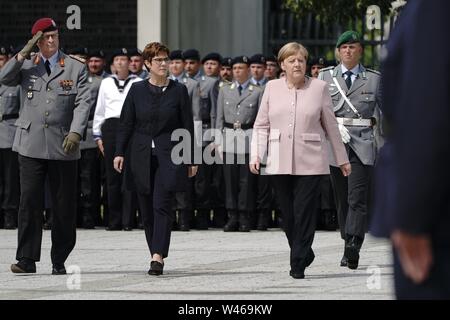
(348, 37)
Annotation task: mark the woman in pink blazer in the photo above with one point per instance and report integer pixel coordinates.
(294, 124)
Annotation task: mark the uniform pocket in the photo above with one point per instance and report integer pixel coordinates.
(314, 137)
(23, 124)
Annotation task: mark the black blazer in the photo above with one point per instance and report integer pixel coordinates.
(146, 116)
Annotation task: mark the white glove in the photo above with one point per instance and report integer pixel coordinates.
(344, 133)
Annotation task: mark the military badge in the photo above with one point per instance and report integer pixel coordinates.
(66, 85)
(251, 88)
(30, 95)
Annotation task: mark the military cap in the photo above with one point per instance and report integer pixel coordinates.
(119, 52)
(97, 54)
(80, 51)
(44, 25)
(191, 54)
(271, 58)
(212, 56)
(176, 55)
(226, 62)
(240, 59)
(135, 52)
(258, 59)
(318, 61)
(349, 36)
(4, 51)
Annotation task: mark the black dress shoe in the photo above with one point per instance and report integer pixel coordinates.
(24, 266)
(58, 269)
(352, 252)
(128, 229)
(297, 274)
(156, 268)
(113, 228)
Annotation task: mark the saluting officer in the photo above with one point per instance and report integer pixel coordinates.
(51, 124)
(10, 101)
(184, 201)
(356, 96)
(237, 107)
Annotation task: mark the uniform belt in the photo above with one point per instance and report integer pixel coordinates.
(238, 125)
(356, 122)
(8, 116)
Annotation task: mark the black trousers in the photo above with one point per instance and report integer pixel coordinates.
(156, 212)
(121, 203)
(203, 187)
(352, 197)
(9, 180)
(62, 177)
(298, 197)
(240, 184)
(89, 183)
(436, 287)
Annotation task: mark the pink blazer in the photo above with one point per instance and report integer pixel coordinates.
(293, 127)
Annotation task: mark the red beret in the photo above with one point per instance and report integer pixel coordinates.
(44, 25)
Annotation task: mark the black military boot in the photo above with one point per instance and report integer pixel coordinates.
(184, 220)
(233, 221)
(263, 219)
(352, 248)
(244, 221)
(10, 220)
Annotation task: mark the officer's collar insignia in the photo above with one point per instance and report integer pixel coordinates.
(251, 87)
(62, 63)
(233, 86)
(203, 78)
(185, 80)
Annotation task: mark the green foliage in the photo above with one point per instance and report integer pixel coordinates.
(340, 11)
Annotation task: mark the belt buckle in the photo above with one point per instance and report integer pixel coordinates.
(236, 125)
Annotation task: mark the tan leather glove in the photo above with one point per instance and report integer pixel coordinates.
(26, 51)
(71, 143)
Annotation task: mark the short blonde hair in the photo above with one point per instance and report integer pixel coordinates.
(291, 49)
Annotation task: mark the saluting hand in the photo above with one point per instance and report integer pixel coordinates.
(118, 164)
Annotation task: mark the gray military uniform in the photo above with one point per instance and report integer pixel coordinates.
(365, 95)
(51, 108)
(10, 101)
(352, 193)
(207, 107)
(94, 82)
(235, 109)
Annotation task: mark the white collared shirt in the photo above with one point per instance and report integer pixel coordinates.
(110, 101)
(355, 72)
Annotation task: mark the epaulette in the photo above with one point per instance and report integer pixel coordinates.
(81, 60)
(326, 69)
(374, 71)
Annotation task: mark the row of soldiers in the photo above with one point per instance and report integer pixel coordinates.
(204, 205)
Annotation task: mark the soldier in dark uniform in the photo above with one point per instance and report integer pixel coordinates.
(184, 201)
(10, 101)
(51, 124)
(237, 107)
(356, 95)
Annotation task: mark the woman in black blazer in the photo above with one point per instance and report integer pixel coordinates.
(152, 111)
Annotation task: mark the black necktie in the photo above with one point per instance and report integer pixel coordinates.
(348, 81)
(47, 67)
(240, 90)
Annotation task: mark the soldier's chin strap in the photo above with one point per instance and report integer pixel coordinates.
(344, 95)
